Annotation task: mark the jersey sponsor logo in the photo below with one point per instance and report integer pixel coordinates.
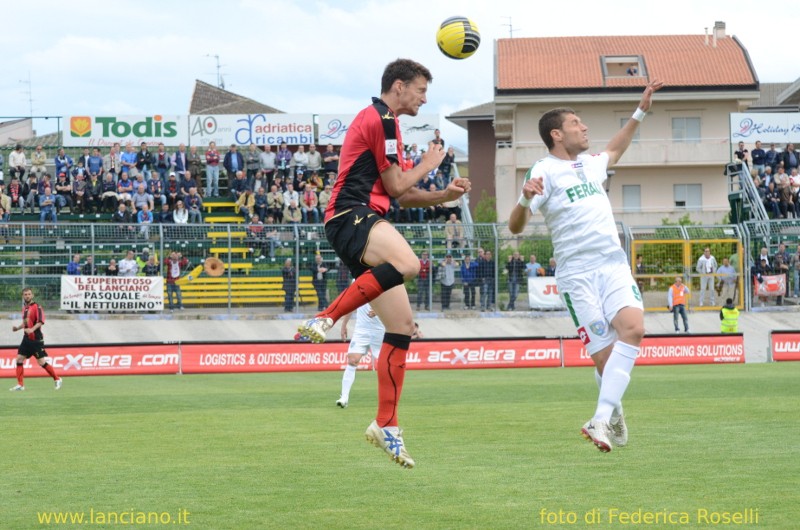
(583, 335)
(598, 328)
(387, 116)
(357, 220)
(391, 147)
(582, 191)
(636, 292)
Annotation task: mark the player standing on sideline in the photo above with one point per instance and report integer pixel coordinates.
(593, 276)
(32, 341)
(367, 338)
(378, 256)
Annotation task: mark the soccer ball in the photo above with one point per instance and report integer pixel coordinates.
(458, 37)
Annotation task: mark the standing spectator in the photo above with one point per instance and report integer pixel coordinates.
(447, 277)
(152, 268)
(74, 266)
(289, 285)
(314, 159)
(729, 317)
(533, 267)
(551, 267)
(789, 158)
(112, 269)
(162, 163)
(179, 161)
(330, 162)
(794, 266)
(128, 267)
(486, 273)
(112, 162)
(252, 163)
(266, 162)
(469, 278)
(707, 268)
(17, 162)
(319, 281)
(447, 164)
(144, 160)
(195, 206)
(128, 161)
(94, 164)
(516, 272)
(759, 158)
(5, 218)
(454, 232)
(283, 161)
(63, 162)
(173, 267)
(743, 155)
(727, 280)
(299, 163)
(757, 271)
(423, 289)
(89, 268)
(676, 301)
(195, 164)
(212, 170)
(437, 139)
(233, 164)
(38, 161)
(772, 158)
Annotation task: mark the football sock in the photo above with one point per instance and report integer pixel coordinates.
(20, 372)
(49, 370)
(618, 409)
(391, 372)
(365, 288)
(347, 381)
(616, 376)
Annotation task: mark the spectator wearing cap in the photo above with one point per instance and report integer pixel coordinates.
(63, 192)
(17, 162)
(63, 162)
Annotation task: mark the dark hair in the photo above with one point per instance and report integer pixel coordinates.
(405, 70)
(552, 119)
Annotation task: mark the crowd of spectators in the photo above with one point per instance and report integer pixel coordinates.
(776, 177)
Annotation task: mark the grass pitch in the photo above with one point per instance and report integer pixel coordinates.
(494, 449)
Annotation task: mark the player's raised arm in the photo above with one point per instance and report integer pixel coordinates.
(620, 142)
(417, 198)
(397, 182)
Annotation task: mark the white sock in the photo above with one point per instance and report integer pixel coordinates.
(616, 376)
(615, 415)
(347, 381)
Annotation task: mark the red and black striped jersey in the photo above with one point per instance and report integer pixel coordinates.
(373, 143)
(31, 314)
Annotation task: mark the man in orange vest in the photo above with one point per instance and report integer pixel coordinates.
(676, 298)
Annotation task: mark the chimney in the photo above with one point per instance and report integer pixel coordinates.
(706, 36)
(719, 31)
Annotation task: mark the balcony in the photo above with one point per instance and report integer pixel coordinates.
(708, 151)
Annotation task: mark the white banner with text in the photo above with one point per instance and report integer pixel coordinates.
(112, 293)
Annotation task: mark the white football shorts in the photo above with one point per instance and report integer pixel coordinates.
(594, 298)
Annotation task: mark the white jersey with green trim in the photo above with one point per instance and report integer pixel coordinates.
(577, 212)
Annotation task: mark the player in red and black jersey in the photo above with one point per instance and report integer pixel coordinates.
(32, 340)
(375, 252)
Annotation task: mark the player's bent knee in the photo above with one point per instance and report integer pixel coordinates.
(353, 359)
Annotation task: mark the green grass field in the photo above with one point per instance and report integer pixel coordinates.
(494, 448)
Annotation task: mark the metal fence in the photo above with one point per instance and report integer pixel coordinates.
(37, 255)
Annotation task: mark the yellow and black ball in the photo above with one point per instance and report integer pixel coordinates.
(458, 37)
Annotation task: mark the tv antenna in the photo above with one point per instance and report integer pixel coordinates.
(511, 28)
(220, 80)
(29, 92)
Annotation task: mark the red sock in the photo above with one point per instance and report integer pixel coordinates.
(365, 289)
(20, 372)
(391, 372)
(49, 370)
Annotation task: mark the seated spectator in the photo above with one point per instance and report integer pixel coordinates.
(435, 211)
(245, 204)
(141, 197)
(109, 198)
(786, 202)
(325, 198)
(124, 187)
(47, 206)
(112, 269)
(439, 180)
(180, 215)
(5, 218)
(31, 190)
(290, 195)
(308, 206)
(238, 186)
(772, 201)
(187, 183)
(155, 187)
(94, 193)
(165, 215)
(74, 266)
(89, 268)
(124, 218)
(80, 194)
(63, 192)
(454, 232)
(173, 190)
(15, 191)
(17, 162)
(195, 206)
(128, 267)
(275, 202)
(292, 214)
(263, 238)
(145, 219)
(152, 268)
(258, 182)
(315, 182)
(261, 204)
(5, 200)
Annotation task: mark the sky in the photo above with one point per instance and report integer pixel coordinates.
(96, 57)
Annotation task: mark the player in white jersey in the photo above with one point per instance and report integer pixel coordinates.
(367, 338)
(593, 275)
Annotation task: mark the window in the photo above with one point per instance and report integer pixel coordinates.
(686, 130)
(622, 122)
(623, 66)
(689, 196)
(631, 197)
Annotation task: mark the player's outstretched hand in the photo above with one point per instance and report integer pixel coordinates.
(647, 98)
